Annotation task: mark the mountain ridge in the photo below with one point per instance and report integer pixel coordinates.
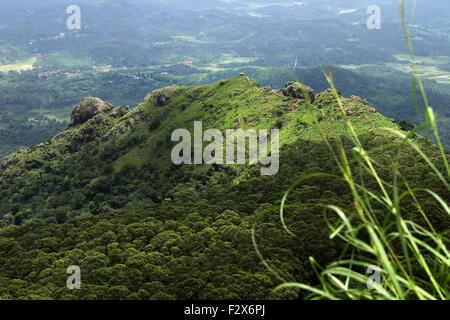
(93, 118)
(104, 195)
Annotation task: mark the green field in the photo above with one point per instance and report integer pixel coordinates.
(429, 68)
(22, 65)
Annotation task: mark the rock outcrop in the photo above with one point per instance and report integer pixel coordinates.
(298, 90)
(10, 160)
(359, 99)
(161, 96)
(87, 109)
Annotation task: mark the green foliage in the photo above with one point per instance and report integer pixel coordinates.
(409, 254)
(104, 195)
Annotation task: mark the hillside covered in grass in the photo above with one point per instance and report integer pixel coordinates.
(104, 194)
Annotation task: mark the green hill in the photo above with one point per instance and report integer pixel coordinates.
(105, 195)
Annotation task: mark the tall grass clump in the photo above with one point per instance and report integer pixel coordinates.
(411, 259)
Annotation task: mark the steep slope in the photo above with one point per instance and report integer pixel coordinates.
(105, 195)
(102, 141)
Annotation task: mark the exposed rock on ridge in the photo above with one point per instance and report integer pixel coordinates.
(87, 109)
(298, 90)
